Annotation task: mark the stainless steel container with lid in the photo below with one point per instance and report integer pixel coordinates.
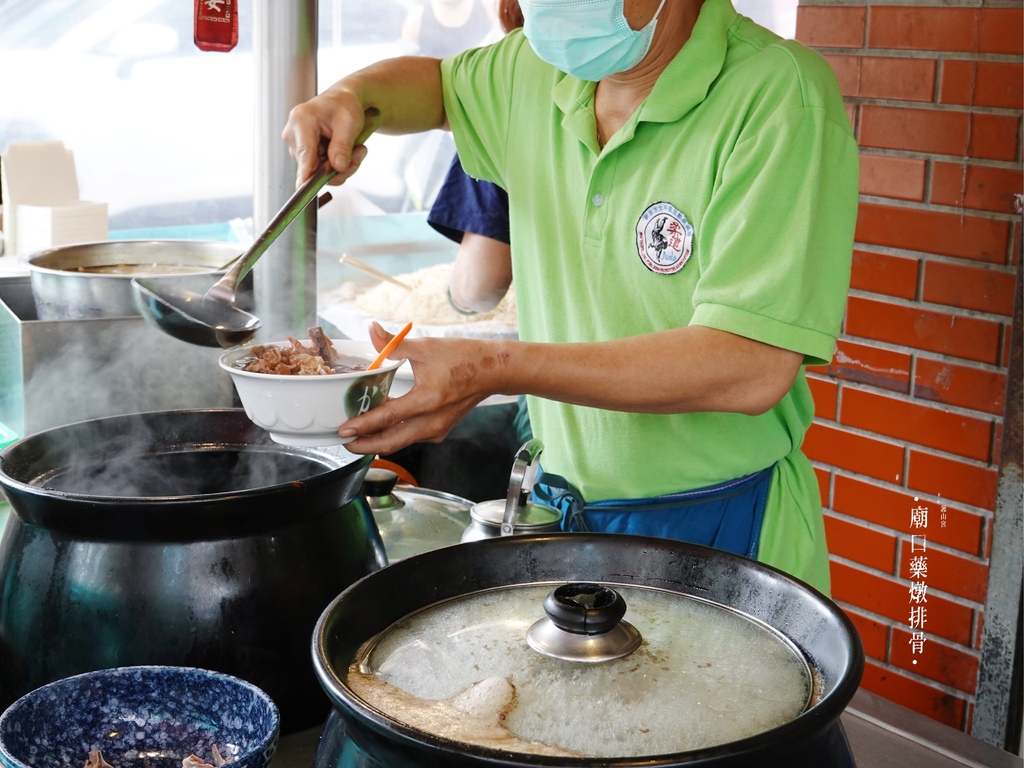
(516, 513)
(531, 517)
(413, 520)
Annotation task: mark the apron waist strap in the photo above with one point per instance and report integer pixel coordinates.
(725, 516)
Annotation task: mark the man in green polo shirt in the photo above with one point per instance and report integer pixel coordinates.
(683, 191)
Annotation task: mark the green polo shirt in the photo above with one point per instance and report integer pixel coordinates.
(728, 200)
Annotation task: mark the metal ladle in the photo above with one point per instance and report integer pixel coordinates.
(179, 306)
(191, 310)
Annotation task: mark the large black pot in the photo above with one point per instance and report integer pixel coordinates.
(179, 538)
(360, 735)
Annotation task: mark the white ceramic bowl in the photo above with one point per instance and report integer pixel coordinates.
(403, 380)
(308, 410)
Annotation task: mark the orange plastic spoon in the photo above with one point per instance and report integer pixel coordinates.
(390, 347)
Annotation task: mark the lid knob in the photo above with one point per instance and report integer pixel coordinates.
(584, 622)
(378, 485)
(584, 609)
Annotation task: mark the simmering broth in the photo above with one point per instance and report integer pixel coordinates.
(141, 270)
(704, 676)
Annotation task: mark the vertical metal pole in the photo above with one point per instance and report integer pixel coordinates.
(284, 56)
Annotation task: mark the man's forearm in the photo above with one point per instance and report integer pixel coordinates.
(683, 370)
(406, 91)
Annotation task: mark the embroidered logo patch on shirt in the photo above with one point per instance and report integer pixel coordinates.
(664, 238)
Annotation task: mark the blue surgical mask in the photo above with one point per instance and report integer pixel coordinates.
(588, 39)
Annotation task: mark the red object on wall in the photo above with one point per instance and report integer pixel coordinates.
(216, 25)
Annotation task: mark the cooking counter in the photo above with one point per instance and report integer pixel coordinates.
(882, 735)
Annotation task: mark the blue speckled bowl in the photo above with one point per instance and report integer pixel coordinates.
(148, 716)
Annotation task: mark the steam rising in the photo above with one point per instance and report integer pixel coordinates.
(89, 369)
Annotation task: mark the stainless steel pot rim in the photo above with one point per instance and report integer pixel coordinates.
(224, 250)
(415, 491)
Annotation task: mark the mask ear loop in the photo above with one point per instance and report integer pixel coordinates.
(650, 26)
(654, 19)
(651, 23)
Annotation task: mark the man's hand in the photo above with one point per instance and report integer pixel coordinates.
(452, 377)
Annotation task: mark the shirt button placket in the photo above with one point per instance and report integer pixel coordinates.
(596, 210)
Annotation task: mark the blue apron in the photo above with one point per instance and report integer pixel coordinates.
(725, 516)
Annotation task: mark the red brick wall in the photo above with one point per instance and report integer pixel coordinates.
(909, 414)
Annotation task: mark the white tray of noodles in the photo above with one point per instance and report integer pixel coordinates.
(353, 305)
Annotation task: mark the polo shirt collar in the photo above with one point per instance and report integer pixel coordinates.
(687, 79)
(682, 86)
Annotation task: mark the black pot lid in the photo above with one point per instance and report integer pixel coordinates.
(702, 675)
(183, 475)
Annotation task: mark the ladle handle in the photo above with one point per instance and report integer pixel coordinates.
(299, 200)
(228, 284)
(524, 472)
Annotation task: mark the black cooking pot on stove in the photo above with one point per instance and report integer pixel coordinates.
(584, 650)
(184, 538)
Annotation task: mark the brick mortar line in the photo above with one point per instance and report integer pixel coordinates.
(910, 399)
(905, 536)
(922, 269)
(945, 309)
(987, 514)
(900, 581)
(900, 443)
(914, 205)
(916, 355)
(932, 636)
(965, 649)
(890, 623)
(996, 422)
(842, 383)
(921, 54)
(954, 410)
(936, 4)
(932, 157)
(931, 106)
(969, 699)
(891, 347)
(886, 250)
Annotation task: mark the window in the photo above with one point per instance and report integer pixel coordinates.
(777, 15)
(163, 132)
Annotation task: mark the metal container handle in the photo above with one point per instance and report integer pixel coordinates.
(524, 473)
